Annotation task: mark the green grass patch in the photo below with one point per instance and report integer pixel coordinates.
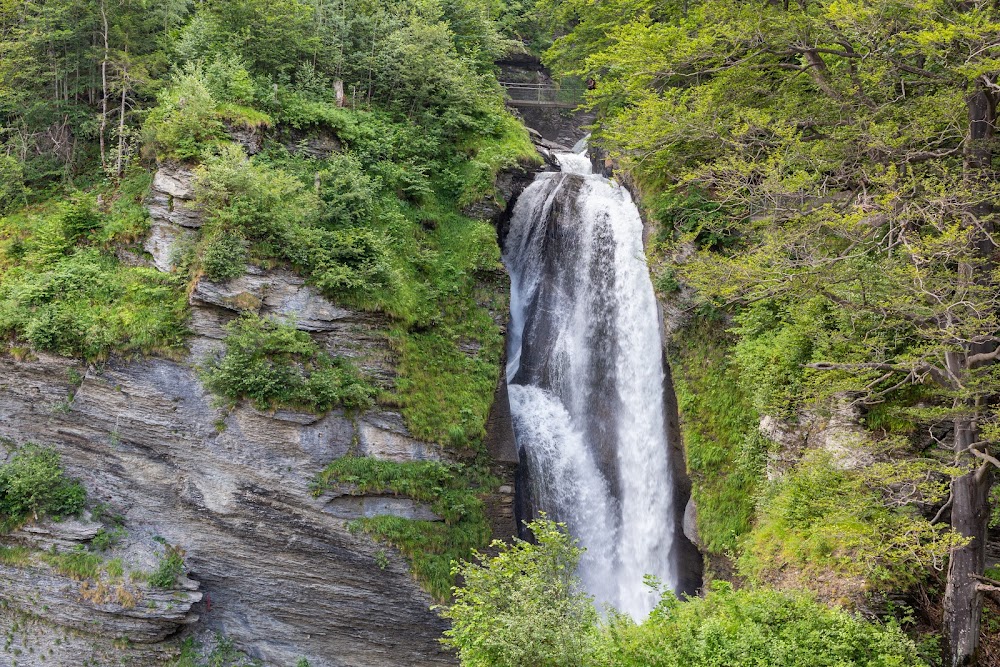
(15, 556)
(725, 450)
(77, 564)
(430, 547)
(508, 148)
(273, 365)
(820, 518)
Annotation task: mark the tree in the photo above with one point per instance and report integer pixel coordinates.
(523, 606)
(851, 145)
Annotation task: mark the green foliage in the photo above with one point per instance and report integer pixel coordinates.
(724, 447)
(33, 485)
(523, 606)
(272, 364)
(508, 147)
(11, 182)
(169, 566)
(222, 654)
(184, 124)
(224, 256)
(105, 538)
(819, 517)
(87, 304)
(61, 293)
(14, 556)
(431, 547)
(752, 627)
(78, 563)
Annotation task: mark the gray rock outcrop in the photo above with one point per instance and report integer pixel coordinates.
(280, 573)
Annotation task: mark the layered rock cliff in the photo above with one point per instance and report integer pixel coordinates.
(280, 573)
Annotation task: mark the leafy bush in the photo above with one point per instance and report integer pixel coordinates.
(431, 547)
(184, 123)
(87, 305)
(224, 256)
(273, 364)
(523, 606)
(12, 187)
(169, 566)
(749, 628)
(33, 485)
(79, 218)
(821, 517)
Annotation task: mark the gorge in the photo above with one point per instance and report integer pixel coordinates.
(585, 374)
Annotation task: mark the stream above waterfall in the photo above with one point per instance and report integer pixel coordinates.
(586, 379)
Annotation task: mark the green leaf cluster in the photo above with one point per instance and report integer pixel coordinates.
(33, 485)
(272, 364)
(523, 606)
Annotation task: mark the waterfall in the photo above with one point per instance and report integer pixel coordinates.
(585, 376)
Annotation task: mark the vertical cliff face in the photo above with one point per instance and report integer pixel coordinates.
(280, 574)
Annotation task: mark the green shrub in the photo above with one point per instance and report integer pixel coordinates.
(751, 628)
(12, 190)
(431, 547)
(87, 305)
(77, 563)
(184, 123)
(523, 606)
(33, 485)
(224, 256)
(80, 218)
(273, 364)
(821, 518)
(169, 566)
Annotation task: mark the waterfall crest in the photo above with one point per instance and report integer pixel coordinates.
(585, 375)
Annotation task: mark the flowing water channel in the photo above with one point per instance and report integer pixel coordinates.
(586, 379)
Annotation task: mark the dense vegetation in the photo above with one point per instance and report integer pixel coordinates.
(525, 606)
(273, 364)
(34, 486)
(342, 140)
(823, 175)
(400, 97)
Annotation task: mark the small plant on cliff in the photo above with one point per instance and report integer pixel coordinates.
(169, 567)
(273, 364)
(33, 485)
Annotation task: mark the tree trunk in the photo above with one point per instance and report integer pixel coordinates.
(104, 87)
(119, 164)
(963, 603)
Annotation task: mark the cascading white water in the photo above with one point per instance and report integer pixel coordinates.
(585, 378)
